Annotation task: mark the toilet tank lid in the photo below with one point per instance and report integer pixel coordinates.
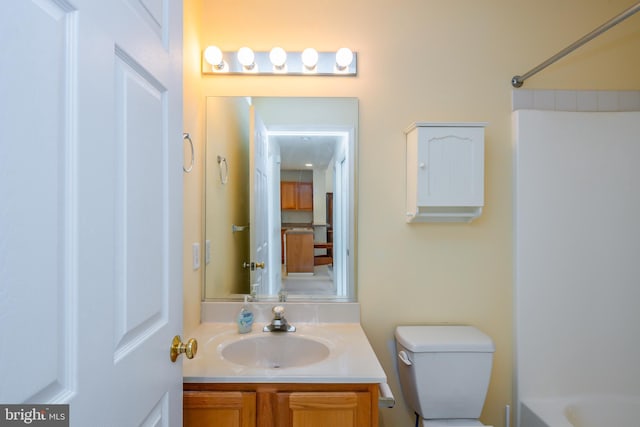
(435, 339)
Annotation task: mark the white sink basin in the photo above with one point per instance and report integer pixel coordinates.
(275, 350)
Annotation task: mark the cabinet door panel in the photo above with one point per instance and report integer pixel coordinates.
(288, 195)
(305, 196)
(219, 409)
(453, 170)
(321, 409)
(299, 252)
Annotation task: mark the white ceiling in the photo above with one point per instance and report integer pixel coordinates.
(305, 147)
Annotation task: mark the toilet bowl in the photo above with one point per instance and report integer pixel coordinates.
(444, 372)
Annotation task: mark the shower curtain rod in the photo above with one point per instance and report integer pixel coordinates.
(517, 81)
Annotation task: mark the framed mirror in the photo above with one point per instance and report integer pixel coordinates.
(280, 197)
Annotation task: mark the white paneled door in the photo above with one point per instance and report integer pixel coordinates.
(91, 208)
(258, 196)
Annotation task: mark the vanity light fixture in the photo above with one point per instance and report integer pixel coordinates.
(213, 55)
(310, 60)
(278, 57)
(247, 59)
(344, 57)
(278, 61)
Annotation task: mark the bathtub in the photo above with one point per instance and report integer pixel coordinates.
(581, 411)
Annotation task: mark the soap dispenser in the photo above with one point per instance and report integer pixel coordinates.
(245, 318)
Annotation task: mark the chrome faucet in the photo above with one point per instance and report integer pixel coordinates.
(279, 323)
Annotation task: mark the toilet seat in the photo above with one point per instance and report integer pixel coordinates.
(452, 423)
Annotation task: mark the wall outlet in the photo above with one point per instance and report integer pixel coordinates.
(196, 256)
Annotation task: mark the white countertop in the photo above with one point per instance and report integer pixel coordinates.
(351, 358)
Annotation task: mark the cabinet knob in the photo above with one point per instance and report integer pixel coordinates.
(422, 165)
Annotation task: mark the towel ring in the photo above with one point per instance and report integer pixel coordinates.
(185, 136)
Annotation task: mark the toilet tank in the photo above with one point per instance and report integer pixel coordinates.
(444, 370)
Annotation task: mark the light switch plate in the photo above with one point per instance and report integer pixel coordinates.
(196, 256)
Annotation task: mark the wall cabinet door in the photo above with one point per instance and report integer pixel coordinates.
(305, 196)
(321, 409)
(288, 195)
(219, 409)
(450, 166)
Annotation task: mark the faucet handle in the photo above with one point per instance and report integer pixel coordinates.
(278, 311)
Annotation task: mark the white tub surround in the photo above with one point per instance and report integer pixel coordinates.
(351, 358)
(581, 411)
(576, 265)
(544, 412)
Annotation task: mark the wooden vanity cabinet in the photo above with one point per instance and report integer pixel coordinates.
(321, 409)
(280, 405)
(297, 196)
(219, 408)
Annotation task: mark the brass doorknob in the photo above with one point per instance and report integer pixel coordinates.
(253, 265)
(178, 347)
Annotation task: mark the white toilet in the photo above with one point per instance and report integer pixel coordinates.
(444, 372)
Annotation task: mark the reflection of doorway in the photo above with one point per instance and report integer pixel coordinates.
(340, 228)
(324, 247)
(284, 145)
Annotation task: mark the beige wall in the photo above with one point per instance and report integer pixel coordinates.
(227, 135)
(193, 118)
(422, 60)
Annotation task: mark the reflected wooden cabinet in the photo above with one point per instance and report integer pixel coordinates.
(299, 252)
(305, 196)
(288, 195)
(296, 196)
(280, 405)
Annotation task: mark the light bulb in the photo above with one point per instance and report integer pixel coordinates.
(278, 57)
(310, 58)
(246, 57)
(213, 55)
(344, 57)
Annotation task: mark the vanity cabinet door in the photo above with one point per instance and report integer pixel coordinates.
(280, 405)
(321, 409)
(219, 409)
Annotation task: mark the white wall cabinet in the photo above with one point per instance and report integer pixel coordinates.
(445, 172)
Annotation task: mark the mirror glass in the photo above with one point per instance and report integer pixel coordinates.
(280, 197)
